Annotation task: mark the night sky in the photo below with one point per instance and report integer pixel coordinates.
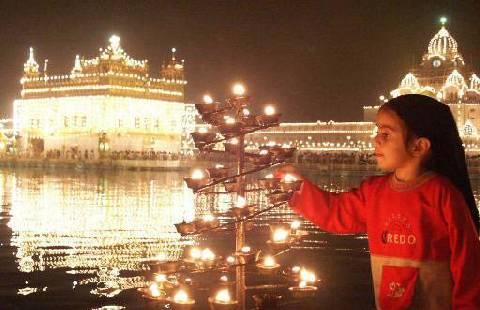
(317, 60)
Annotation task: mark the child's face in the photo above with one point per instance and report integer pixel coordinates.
(390, 149)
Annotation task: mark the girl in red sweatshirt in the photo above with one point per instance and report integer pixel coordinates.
(421, 218)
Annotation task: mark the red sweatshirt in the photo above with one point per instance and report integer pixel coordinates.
(425, 251)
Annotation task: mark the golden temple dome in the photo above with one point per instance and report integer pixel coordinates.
(475, 82)
(443, 45)
(456, 79)
(409, 81)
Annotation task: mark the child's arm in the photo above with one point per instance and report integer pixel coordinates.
(465, 253)
(340, 213)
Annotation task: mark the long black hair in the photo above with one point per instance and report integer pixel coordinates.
(426, 117)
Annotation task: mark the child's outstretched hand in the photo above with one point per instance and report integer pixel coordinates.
(290, 169)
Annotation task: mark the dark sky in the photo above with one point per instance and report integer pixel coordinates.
(315, 59)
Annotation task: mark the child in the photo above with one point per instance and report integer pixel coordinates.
(421, 218)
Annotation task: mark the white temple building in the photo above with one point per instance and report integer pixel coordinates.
(107, 103)
(442, 74)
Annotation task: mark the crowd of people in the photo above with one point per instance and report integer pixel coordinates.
(303, 157)
(328, 158)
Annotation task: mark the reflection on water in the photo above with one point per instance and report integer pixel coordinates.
(98, 224)
(97, 229)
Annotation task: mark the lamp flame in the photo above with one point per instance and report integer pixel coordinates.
(207, 99)
(280, 235)
(161, 277)
(181, 297)
(223, 296)
(295, 225)
(238, 89)
(197, 174)
(289, 178)
(269, 261)
(269, 110)
(245, 249)
(207, 254)
(154, 291)
(195, 253)
(241, 202)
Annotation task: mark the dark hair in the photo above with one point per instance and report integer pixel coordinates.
(426, 117)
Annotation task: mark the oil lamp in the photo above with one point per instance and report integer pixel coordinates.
(231, 260)
(207, 106)
(218, 171)
(203, 137)
(207, 99)
(197, 180)
(280, 235)
(246, 255)
(208, 257)
(268, 265)
(181, 301)
(294, 226)
(270, 117)
(269, 182)
(262, 158)
(160, 277)
(186, 228)
(226, 282)
(223, 301)
(207, 222)
(224, 278)
(269, 110)
(154, 291)
(245, 250)
(241, 208)
(238, 90)
(290, 183)
(230, 126)
(280, 238)
(304, 290)
(195, 253)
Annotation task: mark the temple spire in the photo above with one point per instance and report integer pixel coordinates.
(77, 67)
(31, 66)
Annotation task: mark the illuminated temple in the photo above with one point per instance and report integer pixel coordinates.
(108, 103)
(442, 74)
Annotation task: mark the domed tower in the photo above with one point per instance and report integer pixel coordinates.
(441, 60)
(173, 70)
(442, 51)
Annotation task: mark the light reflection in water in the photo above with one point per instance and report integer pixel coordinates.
(109, 223)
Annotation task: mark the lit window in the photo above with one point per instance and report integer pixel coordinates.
(84, 121)
(146, 122)
(468, 130)
(137, 122)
